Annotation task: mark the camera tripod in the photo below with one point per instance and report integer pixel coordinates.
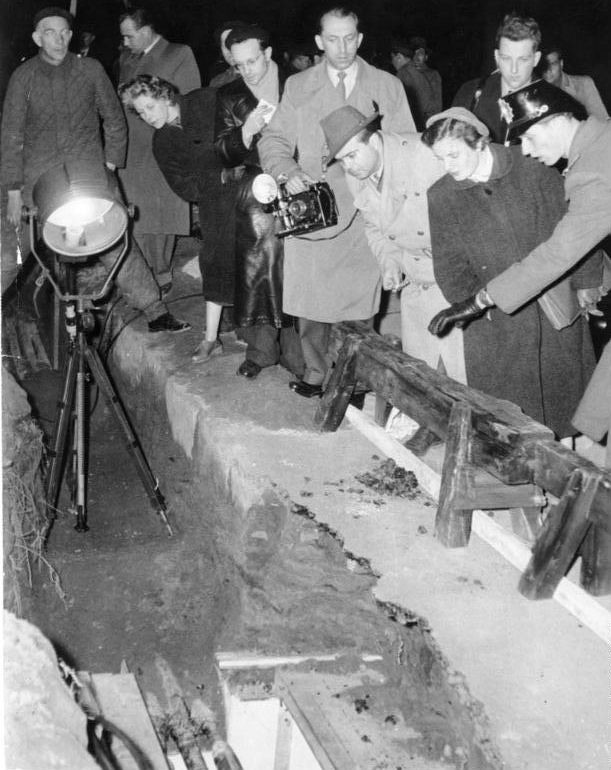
(83, 364)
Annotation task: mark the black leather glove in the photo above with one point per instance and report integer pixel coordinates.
(458, 314)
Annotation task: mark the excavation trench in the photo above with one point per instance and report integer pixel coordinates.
(269, 580)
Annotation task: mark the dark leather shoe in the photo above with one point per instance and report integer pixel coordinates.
(305, 389)
(167, 323)
(249, 369)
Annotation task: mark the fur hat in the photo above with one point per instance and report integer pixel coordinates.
(342, 124)
(530, 104)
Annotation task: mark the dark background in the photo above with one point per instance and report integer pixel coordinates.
(460, 32)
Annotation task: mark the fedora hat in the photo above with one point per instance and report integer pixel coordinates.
(342, 124)
(534, 102)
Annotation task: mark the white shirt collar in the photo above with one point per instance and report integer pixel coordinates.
(155, 41)
(351, 73)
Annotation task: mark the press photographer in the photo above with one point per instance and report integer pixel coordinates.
(243, 109)
(326, 281)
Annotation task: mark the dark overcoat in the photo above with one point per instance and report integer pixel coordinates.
(477, 230)
(259, 254)
(159, 210)
(192, 168)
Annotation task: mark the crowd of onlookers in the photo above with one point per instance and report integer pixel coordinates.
(466, 205)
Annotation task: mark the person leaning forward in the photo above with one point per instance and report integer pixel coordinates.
(330, 276)
(59, 108)
(547, 120)
(389, 175)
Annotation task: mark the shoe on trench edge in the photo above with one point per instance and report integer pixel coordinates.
(249, 369)
(305, 389)
(207, 349)
(167, 323)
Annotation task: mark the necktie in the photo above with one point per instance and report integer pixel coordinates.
(341, 85)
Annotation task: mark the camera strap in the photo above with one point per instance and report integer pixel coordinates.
(330, 237)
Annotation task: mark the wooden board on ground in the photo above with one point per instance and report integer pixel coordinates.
(120, 701)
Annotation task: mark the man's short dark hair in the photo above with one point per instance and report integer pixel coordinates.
(515, 28)
(553, 49)
(53, 10)
(140, 16)
(226, 25)
(340, 12)
(248, 32)
(402, 47)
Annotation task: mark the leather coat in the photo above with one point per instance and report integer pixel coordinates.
(259, 254)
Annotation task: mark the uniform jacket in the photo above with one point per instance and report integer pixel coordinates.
(159, 209)
(52, 114)
(477, 229)
(583, 89)
(331, 276)
(587, 188)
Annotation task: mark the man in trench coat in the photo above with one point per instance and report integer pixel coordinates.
(331, 275)
(161, 214)
(388, 175)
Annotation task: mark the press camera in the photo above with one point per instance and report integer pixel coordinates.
(304, 212)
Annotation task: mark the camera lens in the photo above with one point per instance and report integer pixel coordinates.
(298, 209)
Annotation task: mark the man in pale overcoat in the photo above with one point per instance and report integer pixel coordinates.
(388, 175)
(161, 214)
(331, 275)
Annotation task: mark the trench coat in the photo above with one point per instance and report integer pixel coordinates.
(331, 275)
(192, 168)
(397, 228)
(159, 210)
(258, 252)
(477, 229)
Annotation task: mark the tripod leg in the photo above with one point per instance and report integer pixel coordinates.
(146, 475)
(81, 432)
(60, 433)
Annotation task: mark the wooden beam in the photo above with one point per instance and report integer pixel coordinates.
(503, 437)
(452, 523)
(561, 535)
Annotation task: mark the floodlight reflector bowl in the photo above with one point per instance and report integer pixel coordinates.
(80, 209)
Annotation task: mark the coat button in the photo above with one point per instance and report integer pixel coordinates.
(392, 237)
(420, 232)
(417, 195)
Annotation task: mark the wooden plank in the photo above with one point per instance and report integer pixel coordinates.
(335, 399)
(452, 523)
(325, 743)
(595, 555)
(121, 702)
(502, 435)
(554, 464)
(284, 736)
(561, 535)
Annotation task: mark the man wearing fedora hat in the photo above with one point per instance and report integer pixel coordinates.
(552, 125)
(329, 276)
(388, 175)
